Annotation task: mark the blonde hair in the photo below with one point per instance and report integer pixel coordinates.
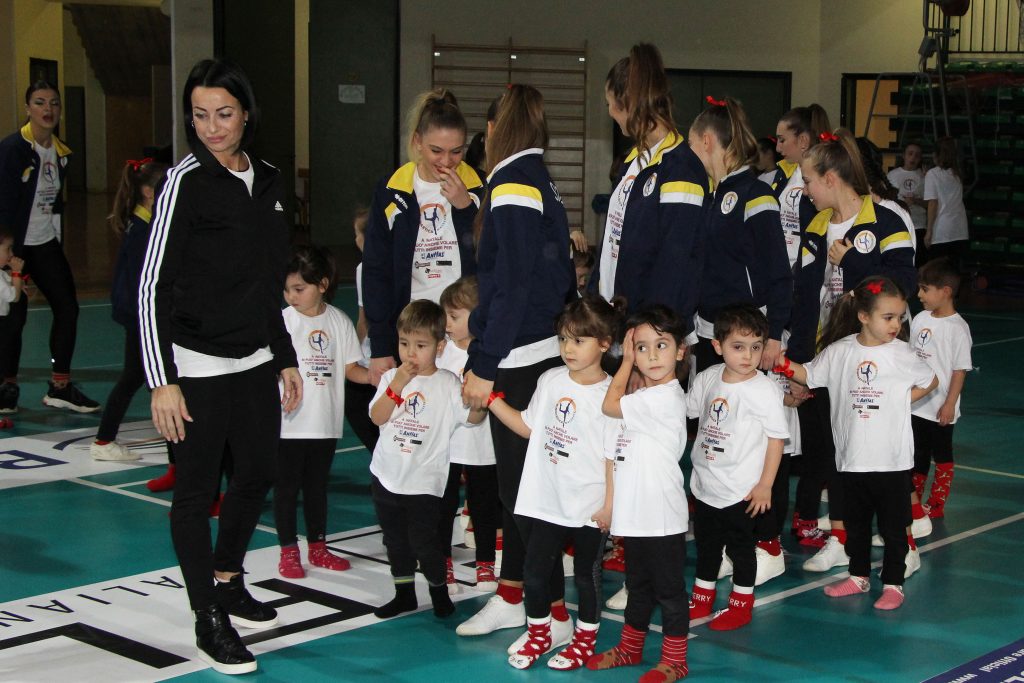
(728, 122)
(639, 86)
(436, 108)
(842, 157)
(520, 124)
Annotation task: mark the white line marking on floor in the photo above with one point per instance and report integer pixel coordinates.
(350, 448)
(998, 341)
(46, 308)
(982, 469)
(129, 483)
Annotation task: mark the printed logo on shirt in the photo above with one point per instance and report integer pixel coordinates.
(555, 190)
(923, 337)
(399, 200)
(565, 410)
(627, 187)
(415, 404)
(793, 196)
(649, 185)
(729, 202)
(718, 410)
(433, 218)
(867, 372)
(865, 241)
(908, 185)
(278, 207)
(319, 341)
(49, 172)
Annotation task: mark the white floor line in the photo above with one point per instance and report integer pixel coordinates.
(128, 483)
(998, 341)
(46, 308)
(350, 448)
(982, 469)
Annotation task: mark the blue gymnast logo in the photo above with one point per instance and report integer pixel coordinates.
(49, 172)
(319, 341)
(565, 410)
(794, 196)
(433, 218)
(867, 372)
(923, 337)
(415, 404)
(718, 411)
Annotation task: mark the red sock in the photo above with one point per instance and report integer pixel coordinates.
(740, 610)
(628, 652)
(559, 613)
(772, 547)
(840, 534)
(910, 540)
(511, 594)
(60, 377)
(917, 511)
(100, 442)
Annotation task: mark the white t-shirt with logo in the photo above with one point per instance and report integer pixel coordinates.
(324, 344)
(411, 457)
(789, 213)
(41, 228)
(945, 345)
(832, 286)
(469, 445)
(563, 478)
(7, 292)
(736, 421)
(910, 184)
(951, 219)
(645, 448)
(435, 260)
(869, 396)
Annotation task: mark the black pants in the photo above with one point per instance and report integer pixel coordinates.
(357, 412)
(819, 460)
(544, 577)
(769, 525)
(302, 464)
(518, 384)
(883, 494)
(484, 508)
(131, 380)
(730, 528)
(932, 441)
(51, 273)
(409, 524)
(656, 576)
(240, 412)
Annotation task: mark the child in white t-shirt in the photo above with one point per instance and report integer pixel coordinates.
(942, 339)
(328, 352)
(358, 396)
(11, 286)
(565, 493)
(735, 458)
(417, 407)
(471, 450)
(872, 378)
(649, 493)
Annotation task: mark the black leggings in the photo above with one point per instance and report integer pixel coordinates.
(932, 441)
(302, 464)
(769, 525)
(51, 273)
(409, 526)
(131, 380)
(357, 412)
(518, 384)
(240, 412)
(656, 576)
(544, 577)
(819, 460)
(730, 528)
(883, 494)
(484, 508)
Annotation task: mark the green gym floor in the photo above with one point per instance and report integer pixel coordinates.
(89, 588)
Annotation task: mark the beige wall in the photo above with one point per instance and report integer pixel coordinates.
(39, 32)
(301, 84)
(9, 109)
(77, 71)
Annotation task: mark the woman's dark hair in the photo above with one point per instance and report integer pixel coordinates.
(662, 318)
(520, 124)
(842, 157)
(812, 120)
(590, 316)
(640, 87)
(39, 85)
(878, 182)
(767, 144)
(728, 122)
(313, 265)
(475, 155)
(861, 299)
(436, 108)
(218, 73)
(946, 156)
(134, 177)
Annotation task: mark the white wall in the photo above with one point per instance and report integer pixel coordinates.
(191, 41)
(78, 72)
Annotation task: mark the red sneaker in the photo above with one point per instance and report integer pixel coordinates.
(290, 565)
(215, 506)
(615, 560)
(320, 556)
(165, 482)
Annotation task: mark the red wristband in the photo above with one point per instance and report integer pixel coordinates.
(15, 274)
(394, 397)
(784, 368)
(494, 396)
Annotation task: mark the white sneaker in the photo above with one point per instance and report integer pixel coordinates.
(496, 614)
(824, 523)
(725, 569)
(111, 451)
(824, 495)
(913, 561)
(832, 555)
(768, 566)
(567, 561)
(561, 634)
(920, 528)
(877, 541)
(618, 601)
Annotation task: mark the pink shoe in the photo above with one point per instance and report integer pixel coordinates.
(892, 597)
(854, 585)
(290, 566)
(320, 556)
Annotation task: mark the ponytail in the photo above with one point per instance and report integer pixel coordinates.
(861, 299)
(812, 120)
(838, 152)
(519, 124)
(436, 108)
(639, 86)
(728, 123)
(878, 183)
(134, 176)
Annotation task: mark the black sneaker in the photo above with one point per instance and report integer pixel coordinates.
(244, 609)
(9, 393)
(71, 398)
(219, 644)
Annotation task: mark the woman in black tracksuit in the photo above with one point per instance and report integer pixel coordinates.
(214, 343)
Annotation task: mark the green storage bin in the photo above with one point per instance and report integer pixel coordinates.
(1017, 224)
(993, 194)
(1017, 248)
(995, 119)
(990, 247)
(989, 220)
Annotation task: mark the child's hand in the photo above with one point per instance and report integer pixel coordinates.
(603, 517)
(838, 250)
(406, 371)
(17, 264)
(628, 349)
(579, 240)
(946, 413)
(760, 498)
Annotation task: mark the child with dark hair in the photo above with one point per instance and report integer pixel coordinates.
(583, 261)
(735, 459)
(11, 284)
(328, 350)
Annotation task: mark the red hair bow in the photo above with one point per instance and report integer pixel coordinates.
(875, 287)
(136, 164)
(715, 103)
(828, 137)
